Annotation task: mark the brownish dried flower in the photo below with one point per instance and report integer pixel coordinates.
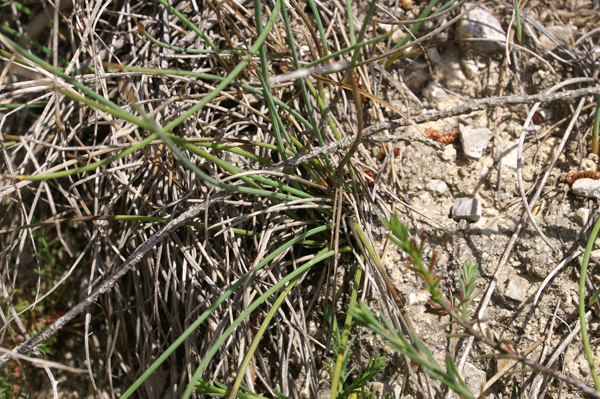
(441, 137)
(574, 175)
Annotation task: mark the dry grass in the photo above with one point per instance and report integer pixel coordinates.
(167, 192)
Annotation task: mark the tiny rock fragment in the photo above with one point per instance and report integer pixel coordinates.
(560, 35)
(468, 209)
(481, 24)
(437, 187)
(588, 188)
(517, 288)
(541, 115)
(474, 141)
(582, 215)
(449, 153)
(434, 55)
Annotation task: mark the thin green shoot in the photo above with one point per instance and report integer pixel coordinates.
(596, 127)
(583, 274)
(518, 20)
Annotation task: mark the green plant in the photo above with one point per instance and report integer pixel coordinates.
(584, 334)
(346, 383)
(417, 350)
(12, 383)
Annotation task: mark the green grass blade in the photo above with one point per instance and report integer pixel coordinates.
(584, 334)
(261, 331)
(518, 20)
(596, 127)
(337, 374)
(417, 27)
(189, 24)
(236, 71)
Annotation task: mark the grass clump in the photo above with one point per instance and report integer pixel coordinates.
(201, 171)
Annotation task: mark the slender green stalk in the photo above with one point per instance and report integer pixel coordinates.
(324, 110)
(517, 20)
(259, 334)
(584, 333)
(320, 28)
(219, 390)
(91, 166)
(19, 6)
(18, 105)
(236, 71)
(86, 90)
(336, 379)
(33, 43)
(357, 46)
(596, 127)
(235, 170)
(416, 28)
(307, 103)
(363, 29)
(200, 75)
(268, 95)
(350, 18)
(188, 50)
(417, 351)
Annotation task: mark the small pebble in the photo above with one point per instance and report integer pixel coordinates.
(473, 377)
(437, 187)
(481, 24)
(588, 165)
(517, 288)
(449, 153)
(412, 298)
(434, 93)
(582, 215)
(509, 152)
(434, 55)
(468, 209)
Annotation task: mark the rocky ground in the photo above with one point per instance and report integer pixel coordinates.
(529, 290)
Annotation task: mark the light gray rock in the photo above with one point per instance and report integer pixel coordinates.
(434, 93)
(437, 187)
(517, 288)
(453, 77)
(588, 188)
(468, 209)
(480, 24)
(474, 141)
(434, 55)
(474, 378)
